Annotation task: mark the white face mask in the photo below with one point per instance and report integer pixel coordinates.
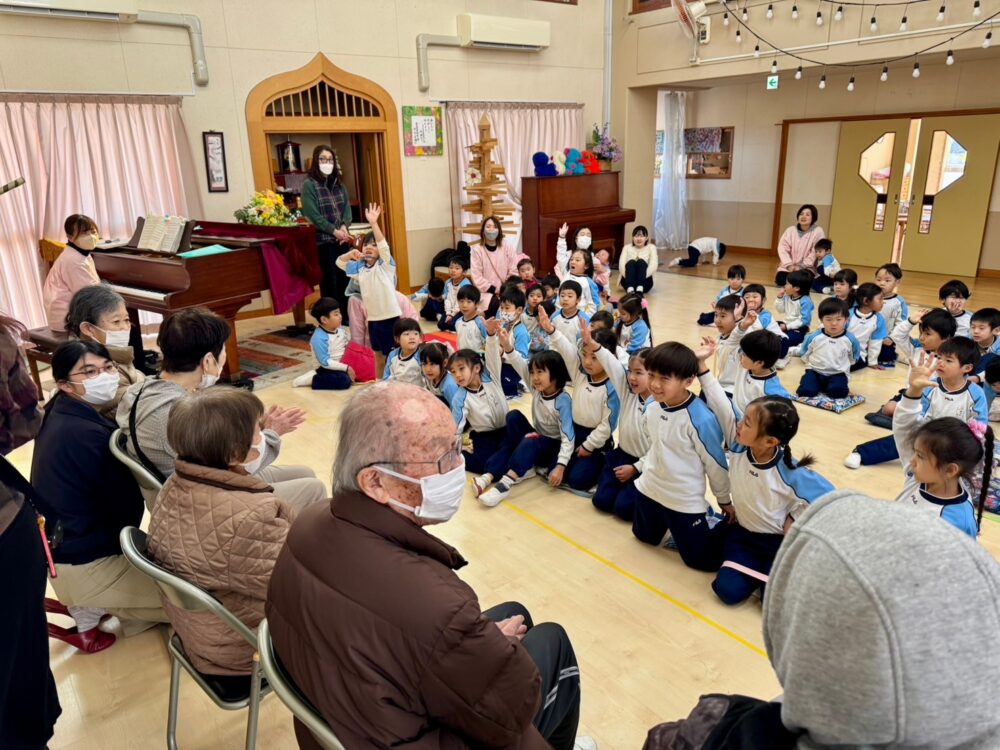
(442, 493)
(86, 241)
(506, 318)
(115, 338)
(207, 379)
(326, 169)
(583, 242)
(99, 389)
(252, 467)
(491, 234)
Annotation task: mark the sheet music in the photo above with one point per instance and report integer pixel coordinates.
(152, 233)
(173, 230)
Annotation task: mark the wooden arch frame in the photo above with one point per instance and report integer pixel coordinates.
(319, 97)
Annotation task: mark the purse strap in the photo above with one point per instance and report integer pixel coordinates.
(143, 459)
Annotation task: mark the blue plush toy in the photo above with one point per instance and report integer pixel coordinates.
(543, 166)
(574, 165)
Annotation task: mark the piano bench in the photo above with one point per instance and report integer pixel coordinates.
(44, 341)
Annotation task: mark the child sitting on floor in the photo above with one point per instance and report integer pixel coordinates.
(633, 324)
(826, 266)
(434, 367)
(845, 281)
(770, 489)
(533, 300)
(984, 329)
(510, 316)
(867, 325)
(602, 269)
(479, 403)
(894, 308)
(755, 296)
(565, 318)
(759, 350)
(828, 353)
(328, 342)
(736, 275)
(457, 279)
(794, 303)
(550, 285)
(526, 270)
(403, 363)
(602, 319)
(732, 322)
(430, 298)
(469, 325)
(954, 295)
(578, 266)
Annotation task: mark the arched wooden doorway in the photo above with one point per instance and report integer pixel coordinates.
(320, 99)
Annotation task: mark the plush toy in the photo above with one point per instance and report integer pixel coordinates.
(573, 163)
(559, 162)
(590, 165)
(543, 166)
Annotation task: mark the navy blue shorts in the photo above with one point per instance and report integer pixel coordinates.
(380, 334)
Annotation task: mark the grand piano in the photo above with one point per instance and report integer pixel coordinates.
(223, 282)
(590, 200)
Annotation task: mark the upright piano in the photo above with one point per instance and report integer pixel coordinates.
(223, 282)
(590, 200)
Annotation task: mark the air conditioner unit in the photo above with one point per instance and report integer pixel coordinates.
(122, 11)
(498, 32)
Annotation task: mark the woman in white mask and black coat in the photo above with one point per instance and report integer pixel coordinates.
(326, 203)
(82, 487)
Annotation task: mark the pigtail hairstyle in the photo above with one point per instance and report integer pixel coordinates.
(633, 305)
(780, 420)
(951, 441)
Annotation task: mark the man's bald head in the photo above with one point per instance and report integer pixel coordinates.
(390, 423)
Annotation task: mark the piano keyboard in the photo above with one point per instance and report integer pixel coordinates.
(131, 291)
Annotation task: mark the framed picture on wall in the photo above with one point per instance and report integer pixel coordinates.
(422, 134)
(215, 161)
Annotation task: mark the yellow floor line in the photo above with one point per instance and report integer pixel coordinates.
(635, 579)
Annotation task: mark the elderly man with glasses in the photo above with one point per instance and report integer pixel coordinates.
(373, 624)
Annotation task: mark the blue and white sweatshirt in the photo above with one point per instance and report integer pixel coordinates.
(403, 369)
(538, 339)
(725, 292)
(869, 330)
(907, 347)
(595, 405)
(967, 403)
(766, 322)
(828, 267)
(764, 494)
(727, 358)
(963, 324)
(590, 300)
(329, 346)
(377, 283)
(632, 436)
(828, 355)
(634, 336)
(798, 311)
(685, 445)
(959, 510)
(552, 416)
(484, 409)
(520, 338)
(894, 309)
(750, 387)
(569, 327)
(446, 388)
(471, 333)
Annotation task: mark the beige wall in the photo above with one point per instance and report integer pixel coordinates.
(249, 40)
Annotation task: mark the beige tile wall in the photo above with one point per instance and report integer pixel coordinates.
(249, 40)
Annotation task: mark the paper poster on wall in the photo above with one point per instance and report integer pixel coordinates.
(422, 134)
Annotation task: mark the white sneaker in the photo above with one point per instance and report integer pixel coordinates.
(639, 290)
(304, 380)
(496, 495)
(828, 290)
(853, 461)
(630, 290)
(583, 742)
(674, 262)
(481, 483)
(781, 364)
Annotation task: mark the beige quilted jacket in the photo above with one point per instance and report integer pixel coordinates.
(222, 531)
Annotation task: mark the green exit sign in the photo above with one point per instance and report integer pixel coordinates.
(772, 83)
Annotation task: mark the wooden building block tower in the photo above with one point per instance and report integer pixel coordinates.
(486, 182)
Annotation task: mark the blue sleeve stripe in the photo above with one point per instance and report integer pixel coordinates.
(613, 403)
(807, 485)
(564, 405)
(706, 426)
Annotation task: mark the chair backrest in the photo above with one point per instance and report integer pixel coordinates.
(143, 477)
(179, 592)
(289, 693)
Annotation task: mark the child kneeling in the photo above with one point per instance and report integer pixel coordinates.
(828, 353)
(329, 342)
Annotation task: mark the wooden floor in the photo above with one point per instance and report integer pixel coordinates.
(649, 634)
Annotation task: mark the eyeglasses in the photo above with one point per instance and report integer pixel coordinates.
(90, 371)
(446, 463)
(323, 160)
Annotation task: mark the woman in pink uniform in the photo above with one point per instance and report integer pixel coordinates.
(797, 246)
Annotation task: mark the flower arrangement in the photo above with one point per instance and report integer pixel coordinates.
(267, 208)
(605, 147)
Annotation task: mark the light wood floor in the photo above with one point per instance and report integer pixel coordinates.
(649, 634)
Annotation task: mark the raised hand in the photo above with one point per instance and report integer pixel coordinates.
(283, 421)
(545, 322)
(493, 325)
(563, 230)
(372, 213)
(748, 320)
(706, 350)
(917, 315)
(585, 338)
(922, 373)
(505, 343)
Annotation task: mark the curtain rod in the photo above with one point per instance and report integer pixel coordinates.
(488, 103)
(63, 96)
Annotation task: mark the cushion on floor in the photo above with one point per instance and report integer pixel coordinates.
(836, 405)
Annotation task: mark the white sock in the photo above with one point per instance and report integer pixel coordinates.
(304, 380)
(87, 618)
(640, 289)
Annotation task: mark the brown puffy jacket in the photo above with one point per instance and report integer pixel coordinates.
(373, 624)
(221, 531)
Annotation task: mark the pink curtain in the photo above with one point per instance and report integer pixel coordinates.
(521, 129)
(111, 157)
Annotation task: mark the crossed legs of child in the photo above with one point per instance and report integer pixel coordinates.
(748, 549)
(699, 545)
(613, 496)
(485, 444)
(814, 383)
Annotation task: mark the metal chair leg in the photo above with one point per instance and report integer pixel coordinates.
(175, 685)
(255, 679)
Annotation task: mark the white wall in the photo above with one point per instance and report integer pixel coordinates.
(249, 40)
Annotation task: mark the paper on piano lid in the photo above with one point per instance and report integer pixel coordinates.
(111, 244)
(203, 251)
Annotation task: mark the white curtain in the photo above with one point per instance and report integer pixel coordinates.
(113, 158)
(521, 129)
(670, 217)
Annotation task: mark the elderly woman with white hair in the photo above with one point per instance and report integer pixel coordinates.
(374, 625)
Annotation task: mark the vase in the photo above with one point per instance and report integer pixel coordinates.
(606, 165)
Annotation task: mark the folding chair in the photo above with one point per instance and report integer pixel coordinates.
(230, 693)
(148, 484)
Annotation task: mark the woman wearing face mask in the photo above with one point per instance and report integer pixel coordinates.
(97, 313)
(83, 487)
(494, 260)
(73, 269)
(193, 345)
(326, 204)
(216, 524)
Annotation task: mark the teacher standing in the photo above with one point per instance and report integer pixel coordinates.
(797, 246)
(326, 204)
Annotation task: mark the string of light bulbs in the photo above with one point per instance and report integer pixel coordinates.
(743, 18)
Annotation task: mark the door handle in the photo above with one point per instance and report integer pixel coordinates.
(895, 200)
